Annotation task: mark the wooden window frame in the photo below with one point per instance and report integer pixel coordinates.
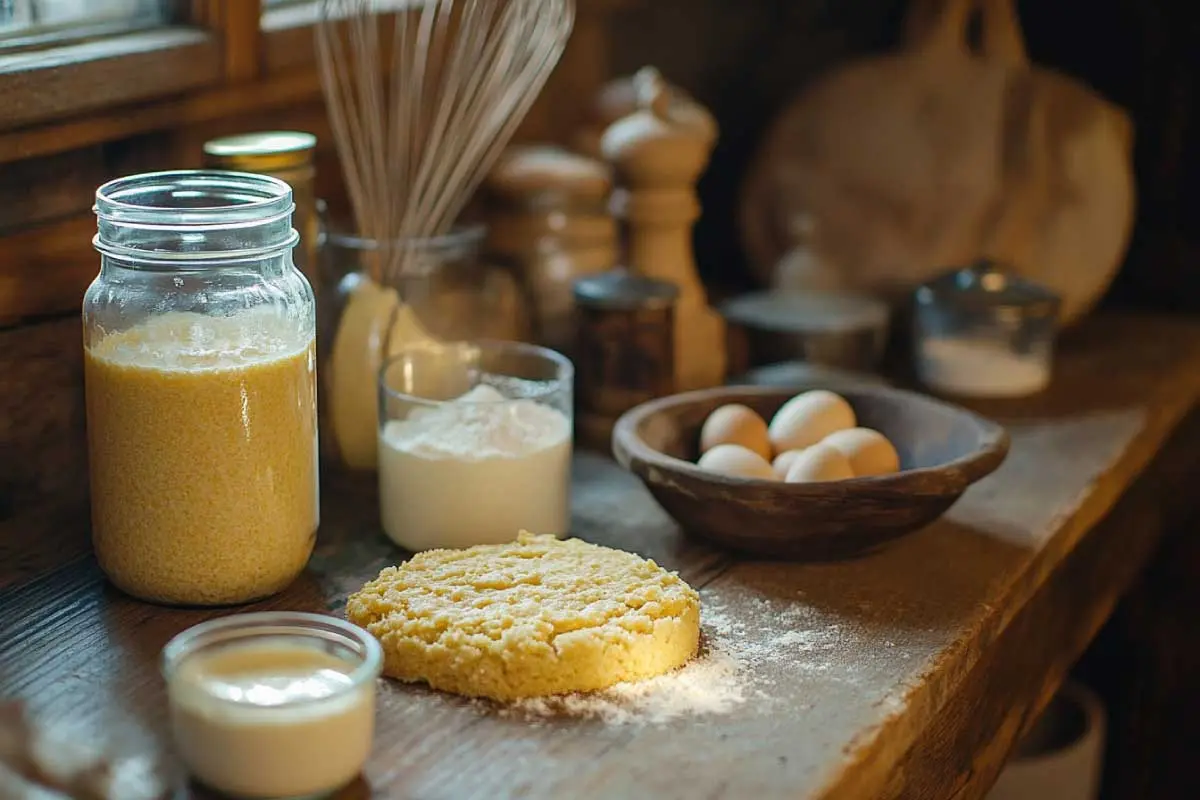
(288, 37)
(39, 85)
(231, 58)
(230, 68)
(227, 58)
(75, 114)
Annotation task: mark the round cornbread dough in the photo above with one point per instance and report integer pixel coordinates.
(539, 616)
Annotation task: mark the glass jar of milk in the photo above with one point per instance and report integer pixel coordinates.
(200, 378)
(474, 443)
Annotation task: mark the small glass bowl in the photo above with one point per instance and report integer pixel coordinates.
(985, 332)
(488, 421)
(292, 748)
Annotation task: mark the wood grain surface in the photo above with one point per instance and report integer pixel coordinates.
(905, 673)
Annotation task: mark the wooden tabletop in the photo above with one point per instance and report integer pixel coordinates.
(905, 673)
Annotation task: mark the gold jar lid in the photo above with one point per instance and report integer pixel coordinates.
(265, 151)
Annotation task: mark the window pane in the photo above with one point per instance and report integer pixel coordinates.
(36, 23)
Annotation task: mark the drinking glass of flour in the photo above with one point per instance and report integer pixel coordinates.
(474, 443)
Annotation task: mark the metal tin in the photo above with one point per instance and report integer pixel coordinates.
(984, 287)
(832, 329)
(985, 332)
(622, 290)
(288, 156)
(265, 150)
(625, 342)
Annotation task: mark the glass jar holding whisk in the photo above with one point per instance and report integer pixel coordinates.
(380, 299)
(416, 131)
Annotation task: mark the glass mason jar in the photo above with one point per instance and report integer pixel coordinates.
(443, 289)
(287, 155)
(200, 376)
(555, 241)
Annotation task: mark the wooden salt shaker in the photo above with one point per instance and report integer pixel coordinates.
(659, 152)
(616, 100)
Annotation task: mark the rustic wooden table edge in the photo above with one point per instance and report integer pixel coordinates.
(887, 760)
(947, 735)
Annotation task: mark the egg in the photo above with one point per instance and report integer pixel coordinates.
(818, 464)
(735, 424)
(736, 462)
(783, 462)
(869, 451)
(808, 418)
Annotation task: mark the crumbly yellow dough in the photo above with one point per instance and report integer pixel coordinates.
(535, 617)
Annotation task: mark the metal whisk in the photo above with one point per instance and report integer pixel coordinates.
(423, 95)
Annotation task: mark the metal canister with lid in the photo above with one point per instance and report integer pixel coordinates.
(624, 347)
(983, 331)
(288, 156)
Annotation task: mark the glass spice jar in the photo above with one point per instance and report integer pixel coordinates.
(200, 377)
(548, 213)
(985, 332)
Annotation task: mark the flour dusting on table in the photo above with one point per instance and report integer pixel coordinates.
(712, 684)
(721, 679)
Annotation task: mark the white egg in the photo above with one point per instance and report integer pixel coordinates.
(808, 418)
(737, 462)
(735, 424)
(818, 464)
(783, 462)
(869, 451)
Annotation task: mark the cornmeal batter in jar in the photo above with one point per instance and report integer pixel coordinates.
(203, 455)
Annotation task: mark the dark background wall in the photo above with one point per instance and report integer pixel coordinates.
(745, 59)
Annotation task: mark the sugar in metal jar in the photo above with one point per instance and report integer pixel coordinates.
(985, 332)
(200, 378)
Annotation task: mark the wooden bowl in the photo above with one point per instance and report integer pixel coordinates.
(943, 450)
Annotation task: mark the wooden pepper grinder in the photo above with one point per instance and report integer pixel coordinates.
(659, 152)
